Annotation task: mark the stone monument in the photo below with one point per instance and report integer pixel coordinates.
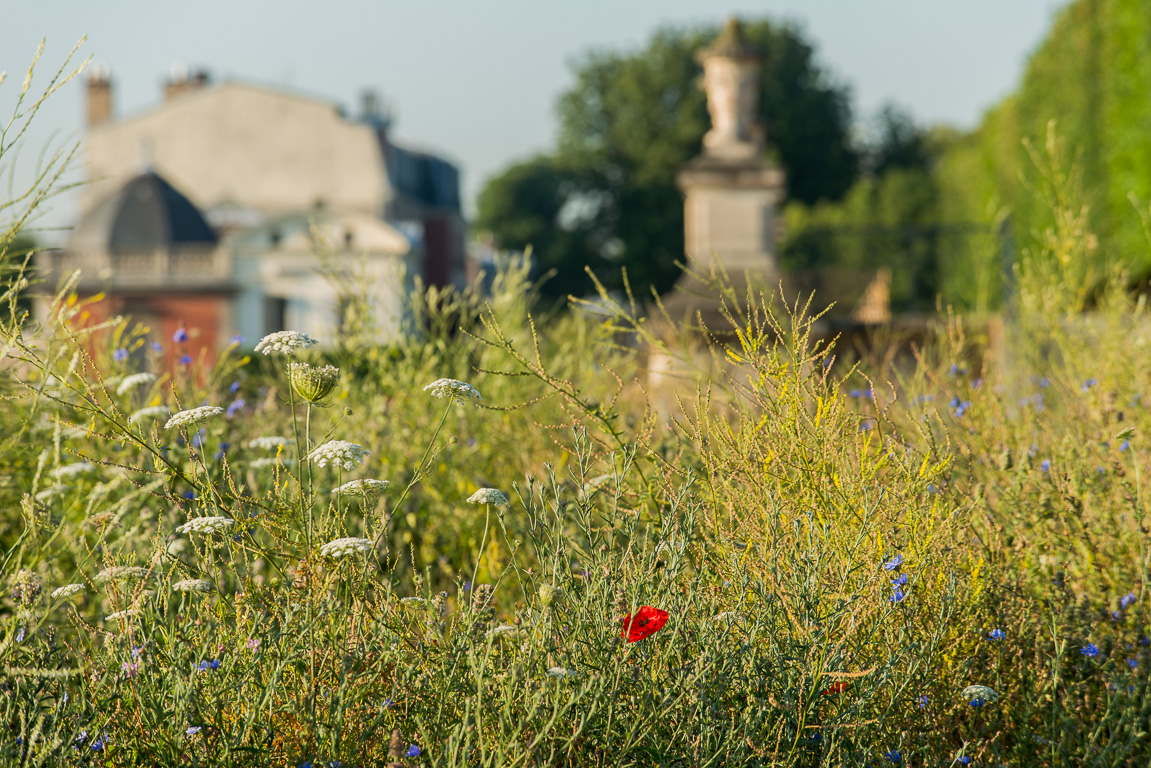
(731, 190)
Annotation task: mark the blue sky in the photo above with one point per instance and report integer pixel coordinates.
(478, 81)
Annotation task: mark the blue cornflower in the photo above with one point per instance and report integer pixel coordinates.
(1087, 385)
(856, 393)
(192, 730)
(962, 408)
(921, 702)
(206, 665)
(963, 760)
(1090, 650)
(120, 355)
(76, 742)
(897, 596)
(1123, 446)
(996, 634)
(955, 402)
(931, 489)
(157, 346)
(305, 764)
(977, 703)
(99, 743)
(1127, 600)
(20, 635)
(956, 370)
(236, 406)
(1132, 663)
(180, 336)
(185, 359)
(893, 757)
(1045, 382)
(234, 387)
(900, 581)
(894, 562)
(1045, 465)
(189, 495)
(237, 339)
(198, 438)
(413, 751)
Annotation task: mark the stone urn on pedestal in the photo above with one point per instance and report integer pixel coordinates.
(731, 190)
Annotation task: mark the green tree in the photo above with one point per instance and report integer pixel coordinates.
(627, 125)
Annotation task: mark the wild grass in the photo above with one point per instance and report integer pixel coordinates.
(935, 558)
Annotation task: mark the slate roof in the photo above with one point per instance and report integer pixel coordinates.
(145, 214)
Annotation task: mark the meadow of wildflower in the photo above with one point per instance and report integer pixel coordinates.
(592, 538)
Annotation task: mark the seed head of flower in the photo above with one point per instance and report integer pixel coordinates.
(339, 453)
(149, 413)
(459, 391)
(561, 672)
(285, 342)
(313, 383)
(192, 585)
(206, 525)
(973, 692)
(129, 383)
(120, 573)
(547, 594)
(504, 630)
(347, 546)
(67, 591)
(193, 416)
(368, 489)
(268, 442)
(489, 496)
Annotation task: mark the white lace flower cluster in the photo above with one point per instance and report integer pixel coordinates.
(133, 381)
(206, 525)
(561, 672)
(344, 547)
(285, 342)
(67, 591)
(489, 496)
(193, 416)
(504, 630)
(150, 412)
(973, 692)
(268, 442)
(120, 573)
(73, 469)
(125, 614)
(369, 489)
(338, 453)
(460, 391)
(270, 461)
(192, 585)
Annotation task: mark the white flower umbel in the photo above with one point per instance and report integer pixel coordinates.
(338, 453)
(270, 461)
(285, 342)
(125, 614)
(413, 602)
(504, 630)
(48, 493)
(135, 380)
(192, 585)
(67, 591)
(268, 442)
(344, 547)
(206, 525)
(561, 672)
(973, 692)
(73, 469)
(460, 391)
(728, 616)
(369, 489)
(120, 573)
(489, 496)
(193, 416)
(150, 413)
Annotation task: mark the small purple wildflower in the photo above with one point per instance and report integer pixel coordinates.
(897, 596)
(1090, 650)
(185, 359)
(1127, 601)
(1087, 385)
(120, 355)
(1123, 446)
(193, 730)
(206, 665)
(921, 702)
(893, 757)
(963, 760)
(157, 346)
(234, 387)
(900, 581)
(894, 562)
(131, 668)
(180, 336)
(996, 634)
(1132, 663)
(413, 751)
(252, 644)
(1045, 465)
(236, 406)
(237, 339)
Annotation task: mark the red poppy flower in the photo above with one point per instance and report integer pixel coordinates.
(647, 622)
(839, 687)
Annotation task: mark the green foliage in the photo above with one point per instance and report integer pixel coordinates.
(606, 198)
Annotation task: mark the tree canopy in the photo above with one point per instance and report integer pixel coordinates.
(606, 198)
